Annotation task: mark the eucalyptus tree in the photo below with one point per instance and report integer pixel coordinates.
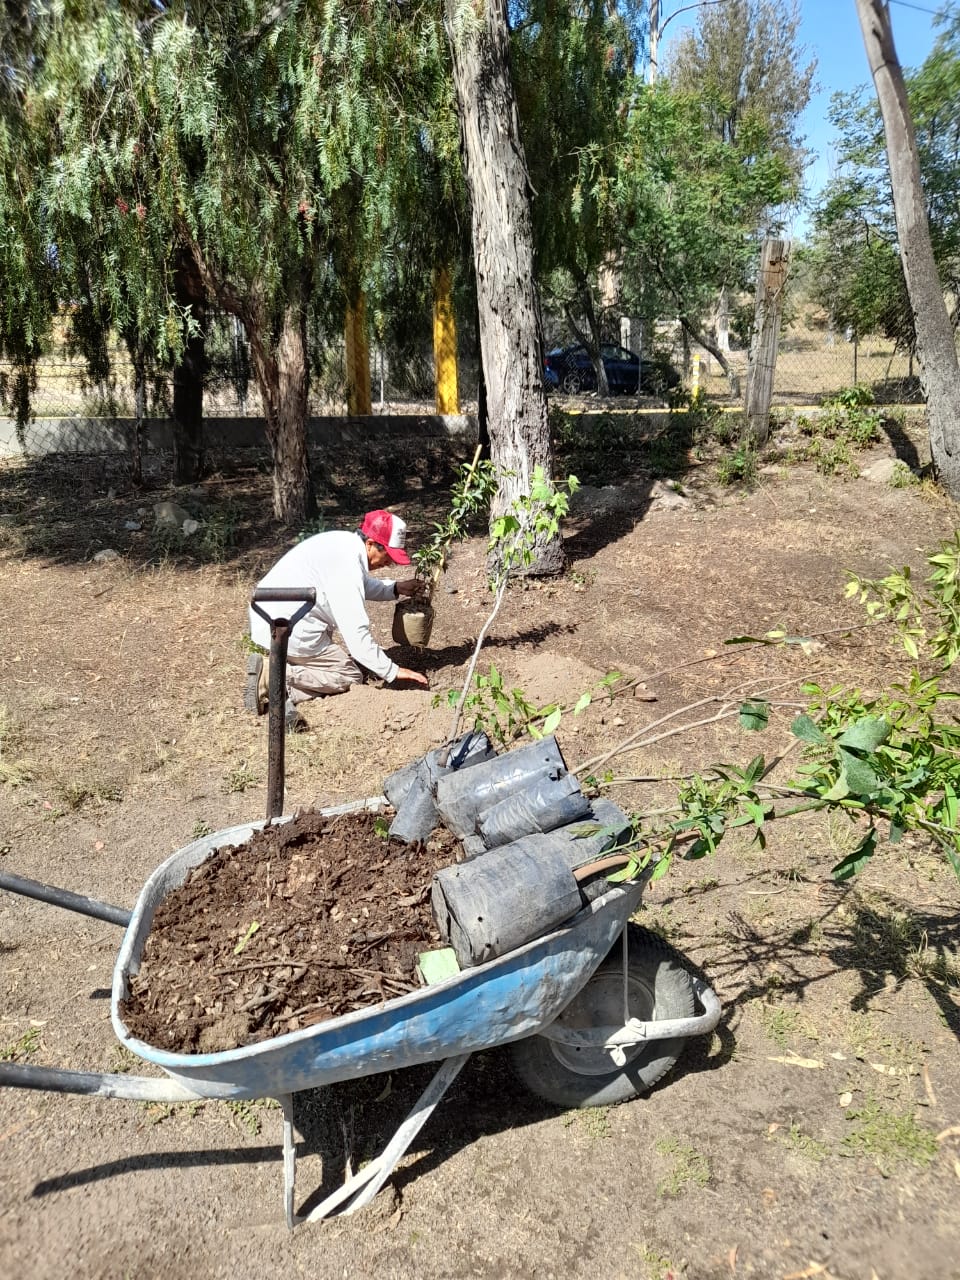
(499, 187)
(746, 61)
(936, 343)
(860, 282)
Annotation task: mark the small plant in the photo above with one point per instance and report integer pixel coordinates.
(241, 778)
(739, 466)
(927, 620)
(690, 1168)
(122, 1059)
(20, 1049)
(507, 714)
(888, 1137)
(217, 535)
(201, 829)
(902, 477)
(802, 1144)
(847, 422)
(475, 486)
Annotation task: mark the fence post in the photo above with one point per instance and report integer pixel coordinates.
(771, 278)
(445, 343)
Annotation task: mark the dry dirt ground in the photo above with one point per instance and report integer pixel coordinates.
(815, 1134)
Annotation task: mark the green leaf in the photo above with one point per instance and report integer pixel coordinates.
(251, 930)
(866, 734)
(859, 777)
(805, 729)
(662, 867)
(552, 720)
(754, 716)
(582, 703)
(854, 862)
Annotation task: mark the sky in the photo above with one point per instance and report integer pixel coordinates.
(831, 33)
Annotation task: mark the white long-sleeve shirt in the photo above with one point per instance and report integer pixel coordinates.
(335, 564)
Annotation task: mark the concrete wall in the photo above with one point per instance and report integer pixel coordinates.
(115, 435)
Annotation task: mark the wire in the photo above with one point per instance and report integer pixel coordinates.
(904, 4)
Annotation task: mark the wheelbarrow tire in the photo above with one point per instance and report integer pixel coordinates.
(659, 987)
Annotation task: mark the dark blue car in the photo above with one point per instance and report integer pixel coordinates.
(571, 369)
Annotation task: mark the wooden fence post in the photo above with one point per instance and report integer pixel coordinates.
(771, 279)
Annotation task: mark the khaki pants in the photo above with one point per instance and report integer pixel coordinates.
(331, 671)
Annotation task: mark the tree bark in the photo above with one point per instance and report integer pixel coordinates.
(936, 346)
(697, 334)
(188, 378)
(498, 184)
(592, 339)
(282, 375)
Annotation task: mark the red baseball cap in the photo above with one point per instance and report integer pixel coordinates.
(390, 531)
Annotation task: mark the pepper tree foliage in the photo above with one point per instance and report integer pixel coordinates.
(26, 266)
(573, 68)
(854, 256)
(270, 143)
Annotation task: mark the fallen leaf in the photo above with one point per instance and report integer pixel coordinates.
(952, 1132)
(814, 1269)
(772, 1128)
(840, 1057)
(732, 1259)
(811, 1064)
(928, 1086)
(845, 1099)
(956, 1167)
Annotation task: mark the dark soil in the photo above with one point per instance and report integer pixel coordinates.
(308, 920)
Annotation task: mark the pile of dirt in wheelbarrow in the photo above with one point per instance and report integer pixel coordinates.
(308, 920)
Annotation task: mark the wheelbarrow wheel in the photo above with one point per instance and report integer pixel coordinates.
(658, 987)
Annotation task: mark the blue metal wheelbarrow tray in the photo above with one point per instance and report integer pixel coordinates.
(596, 1011)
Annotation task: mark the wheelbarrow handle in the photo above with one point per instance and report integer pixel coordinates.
(64, 898)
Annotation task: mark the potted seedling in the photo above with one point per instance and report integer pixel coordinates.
(413, 618)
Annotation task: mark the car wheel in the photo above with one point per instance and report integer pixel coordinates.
(572, 383)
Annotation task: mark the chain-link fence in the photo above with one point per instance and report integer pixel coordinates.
(812, 364)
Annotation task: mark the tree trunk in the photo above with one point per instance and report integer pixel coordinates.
(697, 334)
(498, 184)
(188, 378)
(282, 376)
(188, 412)
(593, 338)
(936, 347)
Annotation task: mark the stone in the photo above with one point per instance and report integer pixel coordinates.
(169, 514)
(106, 556)
(884, 470)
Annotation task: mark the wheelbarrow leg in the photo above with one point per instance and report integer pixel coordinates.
(359, 1190)
(289, 1158)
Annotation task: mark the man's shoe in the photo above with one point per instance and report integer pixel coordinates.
(253, 699)
(292, 721)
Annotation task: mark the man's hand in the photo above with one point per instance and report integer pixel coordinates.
(411, 587)
(404, 673)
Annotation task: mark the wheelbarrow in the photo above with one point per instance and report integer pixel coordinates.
(594, 1012)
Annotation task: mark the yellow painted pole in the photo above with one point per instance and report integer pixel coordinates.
(357, 358)
(445, 343)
